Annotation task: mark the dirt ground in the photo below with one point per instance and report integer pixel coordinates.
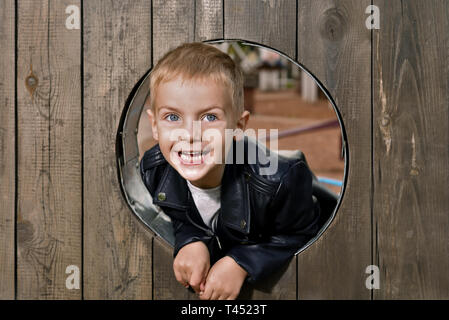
(285, 110)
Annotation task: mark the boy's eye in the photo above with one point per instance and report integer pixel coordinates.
(172, 117)
(210, 117)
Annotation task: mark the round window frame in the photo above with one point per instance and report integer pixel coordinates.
(135, 192)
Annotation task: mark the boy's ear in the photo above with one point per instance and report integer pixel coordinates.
(153, 124)
(243, 121)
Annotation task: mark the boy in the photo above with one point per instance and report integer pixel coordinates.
(231, 222)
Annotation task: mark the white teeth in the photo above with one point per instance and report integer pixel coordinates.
(190, 158)
(192, 153)
(194, 157)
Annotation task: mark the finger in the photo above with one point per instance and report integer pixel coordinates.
(207, 292)
(179, 277)
(232, 296)
(186, 277)
(223, 297)
(195, 281)
(215, 294)
(203, 285)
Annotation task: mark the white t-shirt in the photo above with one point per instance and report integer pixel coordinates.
(207, 202)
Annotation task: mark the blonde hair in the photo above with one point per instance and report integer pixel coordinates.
(197, 60)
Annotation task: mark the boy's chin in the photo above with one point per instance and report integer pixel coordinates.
(195, 174)
(193, 177)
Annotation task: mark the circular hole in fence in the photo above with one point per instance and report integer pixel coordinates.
(280, 94)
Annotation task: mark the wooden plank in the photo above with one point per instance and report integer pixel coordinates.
(247, 20)
(49, 150)
(208, 25)
(117, 52)
(163, 12)
(335, 45)
(208, 20)
(7, 150)
(173, 24)
(411, 149)
(269, 22)
(166, 287)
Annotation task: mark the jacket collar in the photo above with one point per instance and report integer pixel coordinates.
(172, 192)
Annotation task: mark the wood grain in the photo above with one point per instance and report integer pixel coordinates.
(334, 44)
(49, 150)
(166, 287)
(247, 20)
(173, 24)
(269, 22)
(208, 20)
(411, 148)
(396, 218)
(117, 52)
(7, 150)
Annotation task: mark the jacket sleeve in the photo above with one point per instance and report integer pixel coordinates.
(295, 222)
(186, 233)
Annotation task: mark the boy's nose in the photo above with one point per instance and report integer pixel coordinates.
(194, 130)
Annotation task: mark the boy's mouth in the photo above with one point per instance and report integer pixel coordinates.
(192, 157)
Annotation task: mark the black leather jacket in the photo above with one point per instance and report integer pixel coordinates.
(263, 220)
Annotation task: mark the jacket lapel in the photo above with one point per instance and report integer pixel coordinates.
(172, 190)
(235, 202)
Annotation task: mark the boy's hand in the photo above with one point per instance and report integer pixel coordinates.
(191, 265)
(224, 280)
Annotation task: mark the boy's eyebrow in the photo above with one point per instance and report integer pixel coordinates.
(205, 109)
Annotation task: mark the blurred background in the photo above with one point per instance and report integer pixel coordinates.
(280, 95)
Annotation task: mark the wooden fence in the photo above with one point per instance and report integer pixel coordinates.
(63, 89)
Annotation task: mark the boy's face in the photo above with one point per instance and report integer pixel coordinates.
(193, 107)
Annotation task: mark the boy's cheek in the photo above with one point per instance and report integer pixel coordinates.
(163, 136)
(167, 138)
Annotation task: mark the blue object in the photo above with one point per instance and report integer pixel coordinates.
(333, 182)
